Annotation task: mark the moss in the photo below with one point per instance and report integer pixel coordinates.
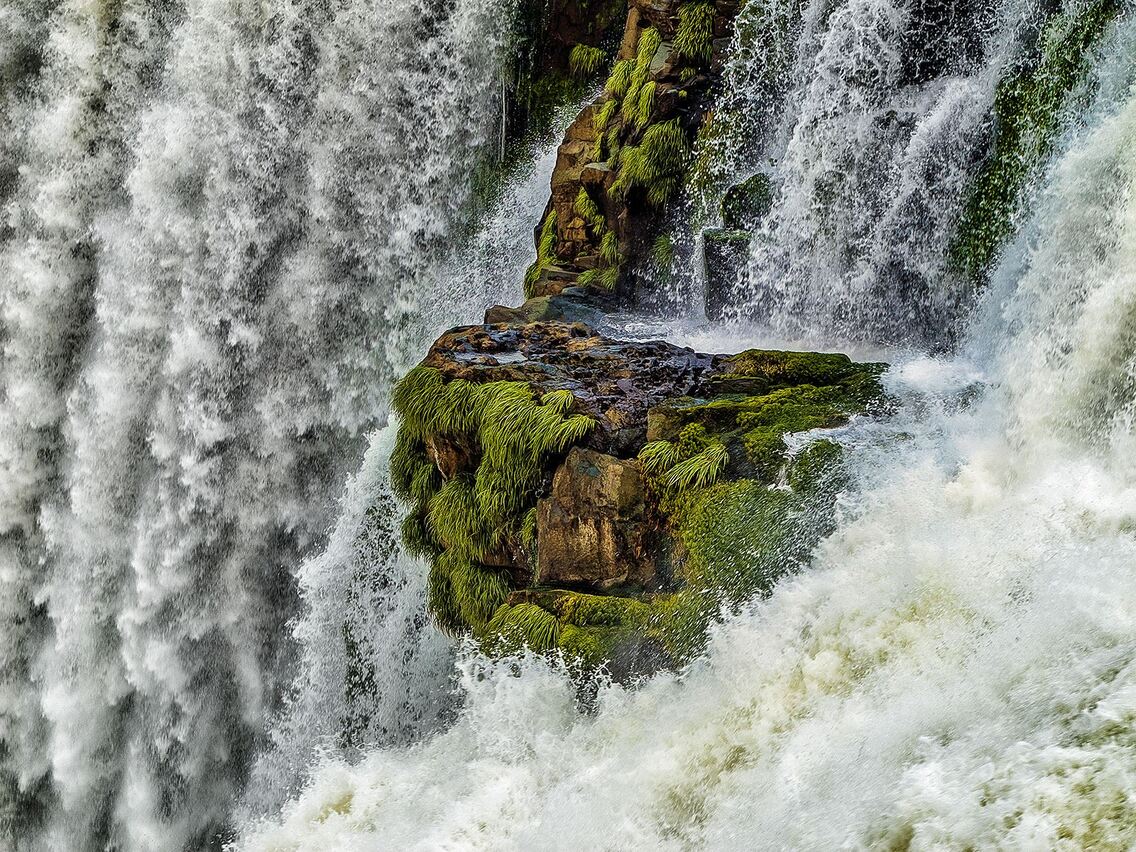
(694, 38)
(1027, 111)
(545, 253)
(585, 60)
(509, 438)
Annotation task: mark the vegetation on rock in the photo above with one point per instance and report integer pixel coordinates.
(1027, 111)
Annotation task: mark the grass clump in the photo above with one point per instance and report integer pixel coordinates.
(545, 253)
(585, 60)
(589, 211)
(694, 38)
(507, 438)
(522, 625)
(620, 79)
(657, 164)
(1027, 111)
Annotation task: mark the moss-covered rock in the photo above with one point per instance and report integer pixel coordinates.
(1027, 111)
(606, 499)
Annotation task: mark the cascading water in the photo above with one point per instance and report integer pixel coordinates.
(225, 232)
(954, 670)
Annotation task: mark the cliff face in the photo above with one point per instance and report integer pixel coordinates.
(605, 498)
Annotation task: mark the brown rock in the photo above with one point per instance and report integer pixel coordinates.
(592, 532)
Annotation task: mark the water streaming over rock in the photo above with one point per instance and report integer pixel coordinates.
(225, 233)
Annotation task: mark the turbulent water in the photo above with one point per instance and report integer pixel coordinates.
(225, 231)
(229, 226)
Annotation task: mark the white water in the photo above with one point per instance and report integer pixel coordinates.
(954, 671)
(228, 233)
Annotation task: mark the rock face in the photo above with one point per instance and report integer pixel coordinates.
(592, 531)
(626, 155)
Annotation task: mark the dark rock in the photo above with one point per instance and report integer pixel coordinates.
(726, 254)
(592, 531)
(747, 203)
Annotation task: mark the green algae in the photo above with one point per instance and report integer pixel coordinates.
(1028, 107)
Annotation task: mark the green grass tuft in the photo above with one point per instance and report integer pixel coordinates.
(657, 164)
(659, 456)
(694, 38)
(545, 253)
(617, 84)
(524, 625)
(587, 210)
(585, 60)
(698, 471)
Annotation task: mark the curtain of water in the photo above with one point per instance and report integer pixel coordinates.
(223, 236)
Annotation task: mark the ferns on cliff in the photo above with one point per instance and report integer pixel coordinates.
(524, 625)
(609, 249)
(585, 60)
(694, 38)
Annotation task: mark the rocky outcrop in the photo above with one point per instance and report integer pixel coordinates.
(577, 492)
(626, 155)
(602, 498)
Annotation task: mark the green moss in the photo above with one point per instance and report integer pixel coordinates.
(545, 253)
(509, 438)
(1027, 111)
(585, 60)
(694, 38)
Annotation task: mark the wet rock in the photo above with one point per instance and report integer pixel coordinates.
(592, 531)
(726, 254)
(747, 204)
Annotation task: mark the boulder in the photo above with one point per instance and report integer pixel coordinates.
(592, 531)
(747, 203)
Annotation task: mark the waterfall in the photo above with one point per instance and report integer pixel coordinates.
(869, 118)
(229, 227)
(955, 668)
(225, 231)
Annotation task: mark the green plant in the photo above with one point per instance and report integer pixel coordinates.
(609, 249)
(700, 470)
(589, 211)
(510, 436)
(585, 60)
(694, 38)
(657, 164)
(617, 84)
(545, 253)
(523, 625)
(658, 457)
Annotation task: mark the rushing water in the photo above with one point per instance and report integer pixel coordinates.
(229, 226)
(225, 233)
